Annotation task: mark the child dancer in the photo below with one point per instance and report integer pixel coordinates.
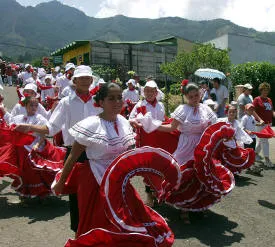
(150, 103)
(241, 136)
(34, 183)
(156, 108)
(249, 124)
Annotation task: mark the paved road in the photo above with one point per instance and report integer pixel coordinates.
(244, 218)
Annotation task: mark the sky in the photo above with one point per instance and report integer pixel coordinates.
(259, 15)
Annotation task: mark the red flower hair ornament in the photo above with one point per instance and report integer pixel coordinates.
(183, 85)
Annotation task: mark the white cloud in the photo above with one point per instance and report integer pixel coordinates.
(256, 14)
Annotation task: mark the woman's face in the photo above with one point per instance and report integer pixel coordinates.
(232, 113)
(150, 93)
(193, 97)
(31, 107)
(113, 102)
(265, 92)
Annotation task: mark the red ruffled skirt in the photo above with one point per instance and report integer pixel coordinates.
(209, 177)
(32, 173)
(113, 214)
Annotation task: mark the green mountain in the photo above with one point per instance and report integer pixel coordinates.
(36, 31)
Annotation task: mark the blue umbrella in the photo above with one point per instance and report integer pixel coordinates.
(210, 73)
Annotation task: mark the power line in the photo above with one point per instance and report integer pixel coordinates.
(23, 46)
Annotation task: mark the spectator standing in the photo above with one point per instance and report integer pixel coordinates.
(221, 94)
(9, 75)
(204, 90)
(25, 75)
(264, 108)
(229, 87)
(65, 80)
(244, 99)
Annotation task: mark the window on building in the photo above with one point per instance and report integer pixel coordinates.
(86, 59)
(73, 60)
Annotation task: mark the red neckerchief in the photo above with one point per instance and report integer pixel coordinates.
(142, 110)
(94, 90)
(43, 87)
(131, 89)
(195, 110)
(153, 103)
(84, 96)
(116, 128)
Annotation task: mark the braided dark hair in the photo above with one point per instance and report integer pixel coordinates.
(102, 93)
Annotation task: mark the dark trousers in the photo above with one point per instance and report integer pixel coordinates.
(74, 212)
(251, 145)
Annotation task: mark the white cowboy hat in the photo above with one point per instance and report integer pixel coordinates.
(69, 66)
(82, 70)
(30, 86)
(132, 81)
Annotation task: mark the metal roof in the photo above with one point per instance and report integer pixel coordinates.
(69, 47)
(169, 41)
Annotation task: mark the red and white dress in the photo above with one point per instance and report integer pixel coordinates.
(206, 159)
(193, 122)
(111, 212)
(20, 162)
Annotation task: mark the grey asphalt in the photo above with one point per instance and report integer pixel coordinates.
(246, 217)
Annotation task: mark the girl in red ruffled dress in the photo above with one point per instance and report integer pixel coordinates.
(31, 182)
(191, 120)
(104, 138)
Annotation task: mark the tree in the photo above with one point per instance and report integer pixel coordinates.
(202, 56)
(104, 71)
(254, 73)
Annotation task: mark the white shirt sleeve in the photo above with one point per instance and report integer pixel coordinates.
(57, 119)
(133, 113)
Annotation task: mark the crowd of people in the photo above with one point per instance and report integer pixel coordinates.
(252, 115)
(104, 135)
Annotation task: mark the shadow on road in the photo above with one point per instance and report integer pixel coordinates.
(35, 210)
(242, 181)
(266, 204)
(211, 229)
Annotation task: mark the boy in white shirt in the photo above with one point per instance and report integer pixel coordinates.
(156, 108)
(249, 124)
(130, 93)
(150, 103)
